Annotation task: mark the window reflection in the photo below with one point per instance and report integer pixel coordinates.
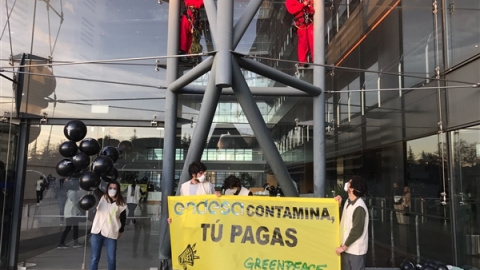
(466, 172)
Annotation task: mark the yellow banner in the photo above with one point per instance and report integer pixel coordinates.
(254, 232)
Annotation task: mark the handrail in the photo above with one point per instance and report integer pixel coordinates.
(417, 215)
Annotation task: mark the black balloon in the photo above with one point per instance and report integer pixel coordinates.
(90, 146)
(89, 181)
(68, 149)
(81, 161)
(111, 152)
(102, 165)
(87, 202)
(111, 176)
(442, 267)
(75, 130)
(65, 167)
(407, 266)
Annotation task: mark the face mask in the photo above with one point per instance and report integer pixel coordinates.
(230, 191)
(346, 187)
(201, 179)
(112, 192)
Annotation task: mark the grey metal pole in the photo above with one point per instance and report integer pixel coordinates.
(245, 20)
(211, 10)
(223, 71)
(261, 131)
(392, 238)
(171, 99)
(202, 127)
(191, 75)
(277, 75)
(319, 167)
(417, 238)
(21, 164)
(256, 91)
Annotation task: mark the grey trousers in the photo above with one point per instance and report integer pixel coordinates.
(353, 262)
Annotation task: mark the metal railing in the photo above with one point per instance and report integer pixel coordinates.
(380, 213)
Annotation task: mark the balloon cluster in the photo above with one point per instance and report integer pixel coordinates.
(76, 161)
(429, 265)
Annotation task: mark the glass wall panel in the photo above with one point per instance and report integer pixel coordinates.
(418, 41)
(465, 194)
(427, 185)
(8, 146)
(463, 33)
(370, 85)
(47, 217)
(92, 50)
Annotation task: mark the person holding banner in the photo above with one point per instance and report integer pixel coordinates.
(354, 226)
(232, 186)
(198, 185)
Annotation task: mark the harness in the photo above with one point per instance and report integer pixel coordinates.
(193, 18)
(303, 19)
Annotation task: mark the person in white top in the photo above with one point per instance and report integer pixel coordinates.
(232, 186)
(354, 226)
(73, 215)
(39, 188)
(134, 194)
(198, 185)
(108, 225)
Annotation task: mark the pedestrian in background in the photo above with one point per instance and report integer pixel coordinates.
(406, 203)
(60, 188)
(39, 188)
(143, 223)
(73, 215)
(397, 203)
(134, 194)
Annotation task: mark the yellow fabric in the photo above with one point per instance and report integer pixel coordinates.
(254, 232)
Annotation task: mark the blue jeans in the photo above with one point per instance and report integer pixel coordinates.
(97, 241)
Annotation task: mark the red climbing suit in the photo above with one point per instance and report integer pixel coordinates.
(187, 22)
(303, 11)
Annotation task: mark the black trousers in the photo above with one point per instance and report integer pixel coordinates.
(70, 223)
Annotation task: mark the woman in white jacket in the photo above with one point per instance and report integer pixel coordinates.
(108, 225)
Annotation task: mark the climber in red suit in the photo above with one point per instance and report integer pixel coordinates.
(303, 11)
(187, 22)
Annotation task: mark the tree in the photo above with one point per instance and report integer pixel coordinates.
(411, 159)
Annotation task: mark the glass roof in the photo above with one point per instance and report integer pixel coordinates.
(106, 59)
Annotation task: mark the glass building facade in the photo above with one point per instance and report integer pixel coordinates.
(401, 106)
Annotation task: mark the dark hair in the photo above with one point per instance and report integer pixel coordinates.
(196, 167)
(231, 182)
(119, 198)
(359, 186)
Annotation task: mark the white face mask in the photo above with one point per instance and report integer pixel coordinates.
(230, 191)
(201, 179)
(112, 192)
(346, 187)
